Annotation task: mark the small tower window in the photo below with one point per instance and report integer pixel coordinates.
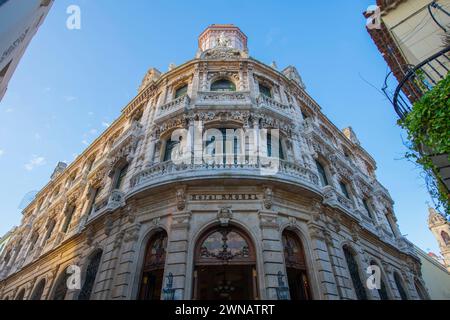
(223, 85)
(181, 91)
(265, 91)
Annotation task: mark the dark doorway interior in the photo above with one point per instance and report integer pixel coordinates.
(225, 282)
(152, 285)
(298, 284)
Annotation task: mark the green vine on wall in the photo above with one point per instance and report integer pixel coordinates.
(428, 128)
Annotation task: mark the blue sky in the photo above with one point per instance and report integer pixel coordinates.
(71, 84)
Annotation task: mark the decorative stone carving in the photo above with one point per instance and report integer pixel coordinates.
(355, 229)
(132, 233)
(90, 233)
(181, 198)
(268, 197)
(109, 224)
(224, 215)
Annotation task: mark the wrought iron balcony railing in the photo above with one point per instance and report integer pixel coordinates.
(418, 80)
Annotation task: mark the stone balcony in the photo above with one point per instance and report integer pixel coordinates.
(226, 99)
(274, 106)
(173, 108)
(169, 172)
(109, 203)
(335, 199)
(132, 133)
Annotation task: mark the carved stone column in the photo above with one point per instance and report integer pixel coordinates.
(123, 278)
(177, 254)
(322, 263)
(272, 250)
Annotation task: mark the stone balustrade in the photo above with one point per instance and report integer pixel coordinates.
(173, 107)
(166, 172)
(223, 98)
(109, 203)
(271, 104)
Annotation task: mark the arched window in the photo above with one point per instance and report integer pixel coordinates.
(60, 290)
(354, 274)
(153, 269)
(21, 295)
(445, 237)
(91, 274)
(294, 256)
(181, 91)
(223, 85)
(382, 291)
(421, 291)
(37, 293)
(265, 90)
(401, 290)
(322, 174)
(225, 266)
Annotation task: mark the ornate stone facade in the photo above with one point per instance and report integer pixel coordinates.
(142, 226)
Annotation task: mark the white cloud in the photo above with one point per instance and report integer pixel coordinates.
(69, 98)
(85, 142)
(34, 162)
(9, 110)
(93, 131)
(37, 136)
(90, 113)
(2, 152)
(105, 124)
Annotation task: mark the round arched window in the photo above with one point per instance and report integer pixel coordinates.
(223, 85)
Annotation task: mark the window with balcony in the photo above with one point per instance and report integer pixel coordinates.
(34, 239)
(265, 90)
(121, 177)
(445, 237)
(322, 174)
(68, 219)
(50, 228)
(94, 195)
(271, 143)
(181, 91)
(366, 206)
(214, 147)
(223, 85)
(170, 146)
(344, 189)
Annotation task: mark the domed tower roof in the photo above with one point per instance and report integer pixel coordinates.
(435, 219)
(222, 35)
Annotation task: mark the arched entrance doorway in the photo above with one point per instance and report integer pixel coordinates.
(294, 257)
(225, 266)
(153, 269)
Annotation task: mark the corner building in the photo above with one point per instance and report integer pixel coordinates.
(140, 226)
